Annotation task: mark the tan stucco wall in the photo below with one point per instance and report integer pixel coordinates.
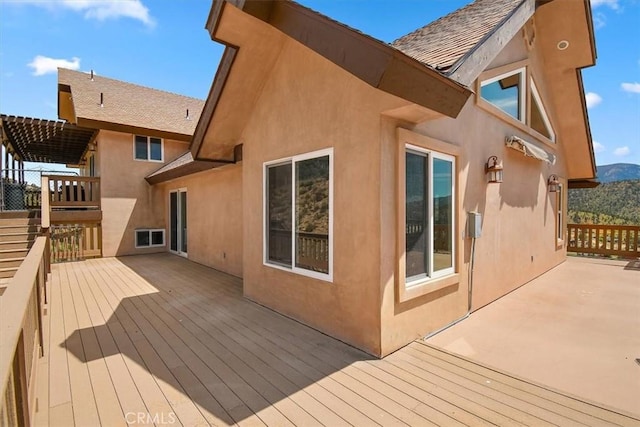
(309, 104)
(214, 216)
(127, 199)
(518, 240)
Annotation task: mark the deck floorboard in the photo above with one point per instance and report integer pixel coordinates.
(157, 340)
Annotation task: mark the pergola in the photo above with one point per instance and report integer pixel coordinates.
(41, 141)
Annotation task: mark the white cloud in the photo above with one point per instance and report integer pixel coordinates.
(598, 148)
(599, 20)
(613, 4)
(101, 10)
(622, 151)
(43, 65)
(631, 87)
(593, 99)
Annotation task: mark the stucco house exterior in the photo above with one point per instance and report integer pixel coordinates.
(138, 129)
(345, 179)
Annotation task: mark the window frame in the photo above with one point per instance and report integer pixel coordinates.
(406, 291)
(560, 222)
(526, 98)
(522, 98)
(327, 277)
(430, 155)
(148, 158)
(150, 231)
(535, 97)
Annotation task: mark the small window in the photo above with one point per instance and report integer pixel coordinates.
(507, 93)
(298, 214)
(148, 238)
(147, 148)
(559, 213)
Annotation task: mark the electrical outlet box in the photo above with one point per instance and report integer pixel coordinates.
(474, 224)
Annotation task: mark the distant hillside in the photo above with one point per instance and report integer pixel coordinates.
(609, 203)
(618, 172)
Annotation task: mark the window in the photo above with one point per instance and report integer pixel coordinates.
(507, 93)
(148, 238)
(559, 215)
(539, 119)
(147, 148)
(429, 214)
(92, 165)
(298, 214)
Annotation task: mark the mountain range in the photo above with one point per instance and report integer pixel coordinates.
(615, 201)
(618, 172)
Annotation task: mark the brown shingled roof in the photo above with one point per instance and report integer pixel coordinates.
(128, 105)
(446, 41)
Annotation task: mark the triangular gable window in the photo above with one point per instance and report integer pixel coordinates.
(539, 118)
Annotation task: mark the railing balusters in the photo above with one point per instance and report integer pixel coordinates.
(621, 240)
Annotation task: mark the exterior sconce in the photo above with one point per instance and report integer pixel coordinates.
(553, 184)
(493, 169)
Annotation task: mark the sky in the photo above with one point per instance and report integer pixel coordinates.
(163, 44)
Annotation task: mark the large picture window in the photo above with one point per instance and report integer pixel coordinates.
(429, 214)
(298, 214)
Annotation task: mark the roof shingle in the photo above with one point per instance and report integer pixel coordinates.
(444, 42)
(128, 104)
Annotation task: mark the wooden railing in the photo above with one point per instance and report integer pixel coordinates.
(620, 240)
(22, 340)
(312, 249)
(71, 205)
(74, 191)
(75, 242)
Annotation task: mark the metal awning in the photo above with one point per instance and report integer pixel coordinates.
(45, 141)
(530, 149)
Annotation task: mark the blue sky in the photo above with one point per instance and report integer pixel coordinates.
(163, 44)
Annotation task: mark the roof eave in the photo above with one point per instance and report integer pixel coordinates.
(469, 66)
(385, 67)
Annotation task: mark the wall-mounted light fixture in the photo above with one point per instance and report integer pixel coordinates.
(493, 169)
(553, 184)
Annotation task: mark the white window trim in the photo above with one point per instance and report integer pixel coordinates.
(535, 97)
(149, 149)
(560, 215)
(150, 245)
(179, 242)
(431, 275)
(522, 101)
(327, 277)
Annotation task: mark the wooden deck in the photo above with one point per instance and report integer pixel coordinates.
(160, 340)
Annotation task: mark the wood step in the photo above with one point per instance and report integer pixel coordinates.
(20, 214)
(13, 253)
(16, 244)
(11, 262)
(8, 272)
(19, 228)
(12, 237)
(20, 221)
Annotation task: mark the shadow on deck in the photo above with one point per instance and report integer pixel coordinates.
(157, 339)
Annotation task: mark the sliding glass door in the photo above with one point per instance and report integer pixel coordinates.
(178, 221)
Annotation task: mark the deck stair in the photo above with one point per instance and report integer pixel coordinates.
(18, 231)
